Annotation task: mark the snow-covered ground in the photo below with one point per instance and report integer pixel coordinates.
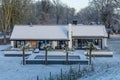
(12, 69)
(115, 36)
(105, 68)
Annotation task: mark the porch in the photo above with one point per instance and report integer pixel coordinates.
(82, 42)
(40, 44)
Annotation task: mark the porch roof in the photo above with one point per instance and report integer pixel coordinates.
(89, 31)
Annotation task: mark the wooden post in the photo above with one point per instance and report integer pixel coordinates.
(79, 67)
(70, 72)
(23, 55)
(109, 35)
(37, 77)
(46, 56)
(66, 57)
(90, 56)
(101, 43)
(50, 76)
(61, 75)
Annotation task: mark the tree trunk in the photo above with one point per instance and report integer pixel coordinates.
(46, 56)
(90, 56)
(57, 20)
(108, 34)
(23, 56)
(67, 57)
(5, 39)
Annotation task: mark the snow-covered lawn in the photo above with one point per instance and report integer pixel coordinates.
(115, 36)
(12, 69)
(105, 68)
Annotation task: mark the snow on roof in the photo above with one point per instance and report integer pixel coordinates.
(56, 32)
(89, 31)
(37, 32)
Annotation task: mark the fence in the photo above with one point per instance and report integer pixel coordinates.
(71, 74)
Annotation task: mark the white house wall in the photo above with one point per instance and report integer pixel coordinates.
(54, 44)
(104, 42)
(70, 36)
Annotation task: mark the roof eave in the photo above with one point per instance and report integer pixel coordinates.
(90, 37)
(39, 39)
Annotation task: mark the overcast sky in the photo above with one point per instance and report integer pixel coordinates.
(77, 4)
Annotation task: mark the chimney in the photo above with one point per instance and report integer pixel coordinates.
(70, 28)
(74, 22)
(70, 35)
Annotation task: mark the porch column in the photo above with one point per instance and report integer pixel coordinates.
(37, 45)
(16, 45)
(76, 43)
(58, 44)
(12, 44)
(54, 44)
(81, 43)
(100, 43)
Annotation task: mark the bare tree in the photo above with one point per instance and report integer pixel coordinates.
(12, 12)
(38, 12)
(88, 15)
(105, 7)
(58, 9)
(49, 12)
(67, 50)
(91, 48)
(19, 11)
(6, 12)
(68, 14)
(45, 10)
(23, 48)
(47, 48)
(117, 3)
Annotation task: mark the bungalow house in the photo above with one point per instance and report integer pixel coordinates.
(76, 36)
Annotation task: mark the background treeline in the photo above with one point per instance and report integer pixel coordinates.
(49, 12)
(55, 12)
(105, 12)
